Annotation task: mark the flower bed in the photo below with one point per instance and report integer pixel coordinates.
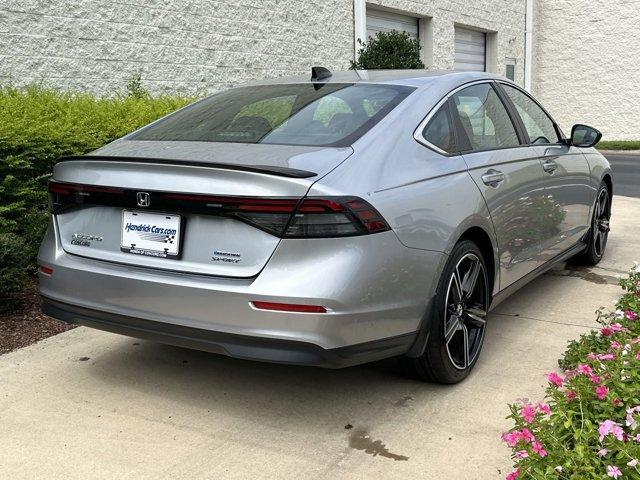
(588, 427)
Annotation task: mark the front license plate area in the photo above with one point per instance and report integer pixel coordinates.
(151, 234)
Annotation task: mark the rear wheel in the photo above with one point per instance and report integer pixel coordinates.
(599, 232)
(457, 319)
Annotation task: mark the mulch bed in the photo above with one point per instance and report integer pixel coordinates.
(28, 324)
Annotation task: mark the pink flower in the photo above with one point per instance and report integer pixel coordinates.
(633, 462)
(638, 355)
(616, 402)
(528, 413)
(584, 369)
(539, 449)
(544, 408)
(613, 471)
(527, 436)
(594, 379)
(570, 395)
(511, 438)
(601, 392)
(605, 356)
(616, 327)
(606, 331)
(602, 452)
(555, 379)
(513, 475)
(631, 315)
(609, 427)
(522, 454)
(616, 345)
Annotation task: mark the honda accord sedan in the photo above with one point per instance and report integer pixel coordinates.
(328, 220)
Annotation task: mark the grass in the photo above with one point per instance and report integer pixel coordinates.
(619, 145)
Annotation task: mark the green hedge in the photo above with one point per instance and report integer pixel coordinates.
(37, 126)
(619, 145)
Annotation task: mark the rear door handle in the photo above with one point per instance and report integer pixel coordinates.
(493, 178)
(549, 166)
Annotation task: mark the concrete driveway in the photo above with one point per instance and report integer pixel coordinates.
(87, 404)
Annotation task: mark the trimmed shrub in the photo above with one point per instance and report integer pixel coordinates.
(37, 126)
(588, 429)
(388, 50)
(14, 260)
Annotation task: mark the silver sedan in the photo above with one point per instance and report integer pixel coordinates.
(329, 221)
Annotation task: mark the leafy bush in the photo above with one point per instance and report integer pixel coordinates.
(37, 126)
(588, 427)
(388, 50)
(13, 270)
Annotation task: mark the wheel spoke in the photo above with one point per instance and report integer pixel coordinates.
(465, 335)
(456, 284)
(471, 278)
(453, 327)
(477, 316)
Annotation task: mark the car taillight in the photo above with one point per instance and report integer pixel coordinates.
(309, 217)
(64, 194)
(334, 217)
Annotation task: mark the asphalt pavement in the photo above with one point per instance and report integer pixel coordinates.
(626, 172)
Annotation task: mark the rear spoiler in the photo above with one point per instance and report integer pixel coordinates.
(266, 169)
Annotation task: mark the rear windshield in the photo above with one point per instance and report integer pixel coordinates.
(320, 115)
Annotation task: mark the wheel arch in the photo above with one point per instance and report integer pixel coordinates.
(609, 182)
(481, 238)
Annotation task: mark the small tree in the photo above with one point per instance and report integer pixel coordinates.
(388, 50)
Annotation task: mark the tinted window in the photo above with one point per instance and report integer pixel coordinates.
(484, 118)
(439, 131)
(296, 114)
(538, 125)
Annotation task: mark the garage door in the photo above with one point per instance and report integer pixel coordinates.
(382, 21)
(470, 50)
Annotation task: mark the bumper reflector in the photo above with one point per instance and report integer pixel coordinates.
(289, 307)
(45, 270)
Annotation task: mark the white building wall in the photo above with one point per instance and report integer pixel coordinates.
(204, 45)
(587, 64)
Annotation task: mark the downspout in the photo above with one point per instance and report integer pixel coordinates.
(528, 45)
(359, 24)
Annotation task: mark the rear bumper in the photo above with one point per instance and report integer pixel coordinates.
(237, 346)
(373, 287)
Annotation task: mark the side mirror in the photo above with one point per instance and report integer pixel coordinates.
(584, 136)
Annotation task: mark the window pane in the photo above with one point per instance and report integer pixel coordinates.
(538, 125)
(438, 131)
(511, 72)
(335, 114)
(484, 118)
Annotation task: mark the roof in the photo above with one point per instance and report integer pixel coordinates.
(416, 78)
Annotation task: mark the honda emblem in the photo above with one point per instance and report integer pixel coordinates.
(144, 199)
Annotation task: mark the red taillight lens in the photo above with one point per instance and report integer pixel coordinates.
(64, 194)
(335, 217)
(289, 307)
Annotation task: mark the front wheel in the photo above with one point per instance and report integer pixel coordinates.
(457, 319)
(599, 232)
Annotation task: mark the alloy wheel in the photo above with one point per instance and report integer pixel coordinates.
(466, 311)
(601, 217)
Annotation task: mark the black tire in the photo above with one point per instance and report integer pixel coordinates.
(599, 231)
(454, 317)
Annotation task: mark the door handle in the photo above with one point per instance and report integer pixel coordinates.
(549, 166)
(493, 178)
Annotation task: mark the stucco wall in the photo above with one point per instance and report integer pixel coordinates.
(203, 46)
(587, 64)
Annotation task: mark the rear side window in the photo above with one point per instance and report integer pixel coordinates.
(484, 118)
(439, 130)
(332, 114)
(537, 123)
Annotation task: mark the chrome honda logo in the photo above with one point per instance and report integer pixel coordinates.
(144, 199)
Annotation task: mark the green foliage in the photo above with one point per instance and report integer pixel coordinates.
(13, 270)
(135, 88)
(37, 126)
(388, 50)
(619, 145)
(588, 429)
